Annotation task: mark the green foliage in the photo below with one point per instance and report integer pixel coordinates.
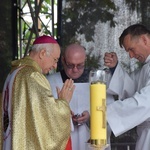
(129, 68)
(81, 17)
(143, 7)
(92, 61)
(132, 4)
(27, 26)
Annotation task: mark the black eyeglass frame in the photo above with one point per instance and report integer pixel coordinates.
(72, 66)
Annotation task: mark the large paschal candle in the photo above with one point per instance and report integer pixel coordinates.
(98, 125)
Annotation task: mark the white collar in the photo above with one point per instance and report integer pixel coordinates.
(147, 59)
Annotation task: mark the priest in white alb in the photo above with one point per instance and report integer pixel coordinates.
(133, 90)
(73, 61)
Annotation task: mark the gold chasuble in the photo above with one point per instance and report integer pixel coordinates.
(38, 121)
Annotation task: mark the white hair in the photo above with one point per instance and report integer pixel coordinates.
(38, 47)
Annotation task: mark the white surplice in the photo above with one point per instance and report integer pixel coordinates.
(133, 107)
(79, 103)
(7, 95)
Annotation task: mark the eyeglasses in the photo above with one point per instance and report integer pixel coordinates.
(72, 66)
(55, 59)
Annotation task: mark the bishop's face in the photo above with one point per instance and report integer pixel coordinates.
(49, 60)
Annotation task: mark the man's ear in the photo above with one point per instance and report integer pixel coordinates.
(144, 39)
(42, 53)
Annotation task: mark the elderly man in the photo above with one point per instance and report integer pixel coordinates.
(32, 118)
(133, 107)
(73, 61)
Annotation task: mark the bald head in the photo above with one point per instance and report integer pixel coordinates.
(73, 60)
(74, 49)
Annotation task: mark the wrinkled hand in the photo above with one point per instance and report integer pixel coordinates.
(67, 90)
(110, 59)
(83, 118)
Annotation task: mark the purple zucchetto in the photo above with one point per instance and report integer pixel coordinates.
(44, 39)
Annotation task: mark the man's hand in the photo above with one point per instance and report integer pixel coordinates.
(83, 118)
(110, 59)
(67, 90)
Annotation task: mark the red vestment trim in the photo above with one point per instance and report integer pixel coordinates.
(69, 145)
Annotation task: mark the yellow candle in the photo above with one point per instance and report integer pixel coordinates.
(98, 114)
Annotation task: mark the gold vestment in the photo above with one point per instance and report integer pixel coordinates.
(39, 122)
